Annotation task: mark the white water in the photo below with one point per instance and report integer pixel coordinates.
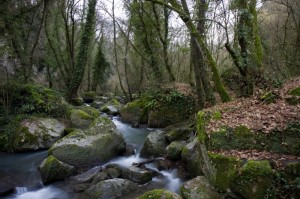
(24, 167)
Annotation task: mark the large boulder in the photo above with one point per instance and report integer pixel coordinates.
(98, 144)
(160, 194)
(52, 170)
(112, 188)
(226, 169)
(155, 145)
(82, 117)
(180, 133)
(191, 155)
(173, 150)
(254, 180)
(198, 188)
(135, 112)
(137, 174)
(88, 97)
(37, 133)
(111, 107)
(86, 177)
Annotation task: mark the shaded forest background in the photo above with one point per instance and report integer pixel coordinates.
(233, 48)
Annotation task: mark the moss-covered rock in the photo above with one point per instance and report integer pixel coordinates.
(180, 133)
(192, 157)
(159, 194)
(137, 175)
(37, 133)
(88, 97)
(112, 107)
(112, 188)
(269, 97)
(174, 150)
(253, 180)
(226, 168)
(198, 188)
(98, 144)
(155, 145)
(35, 99)
(82, 117)
(294, 97)
(135, 111)
(52, 170)
(285, 141)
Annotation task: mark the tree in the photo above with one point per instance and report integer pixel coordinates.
(248, 55)
(81, 59)
(175, 6)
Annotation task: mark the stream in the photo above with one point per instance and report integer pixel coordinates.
(21, 170)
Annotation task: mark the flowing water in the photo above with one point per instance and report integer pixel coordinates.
(21, 170)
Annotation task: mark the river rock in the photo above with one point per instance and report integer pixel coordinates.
(174, 150)
(112, 107)
(181, 133)
(155, 145)
(111, 189)
(198, 188)
(135, 112)
(101, 176)
(88, 97)
(191, 155)
(138, 175)
(37, 133)
(87, 176)
(254, 180)
(98, 144)
(52, 170)
(160, 194)
(7, 183)
(82, 117)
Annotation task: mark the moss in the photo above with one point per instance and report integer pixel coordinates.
(269, 97)
(200, 125)
(295, 91)
(91, 111)
(253, 180)
(226, 168)
(217, 115)
(159, 194)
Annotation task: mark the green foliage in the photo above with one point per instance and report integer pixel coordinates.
(101, 69)
(81, 59)
(295, 91)
(171, 98)
(34, 99)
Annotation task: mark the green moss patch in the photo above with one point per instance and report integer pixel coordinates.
(159, 194)
(253, 180)
(226, 168)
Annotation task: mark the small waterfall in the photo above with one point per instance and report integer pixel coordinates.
(21, 190)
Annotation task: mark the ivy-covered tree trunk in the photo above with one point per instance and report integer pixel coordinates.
(79, 67)
(248, 55)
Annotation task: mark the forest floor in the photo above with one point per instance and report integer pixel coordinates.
(259, 116)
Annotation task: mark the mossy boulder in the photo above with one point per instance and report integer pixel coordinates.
(160, 194)
(174, 150)
(52, 170)
(37, 133)
(169, 106)
(135, 111)
(191, 155)
(155, 145)
(253, 180)
(285, 141)
(198, 188)
(294, 97)
(82, 117)
(180, 133)
(32, 99)
(85, 177)
(88, 97)
(137, 174)
(226, 169)
(112, 188)
(98, 144)
(112, 107)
